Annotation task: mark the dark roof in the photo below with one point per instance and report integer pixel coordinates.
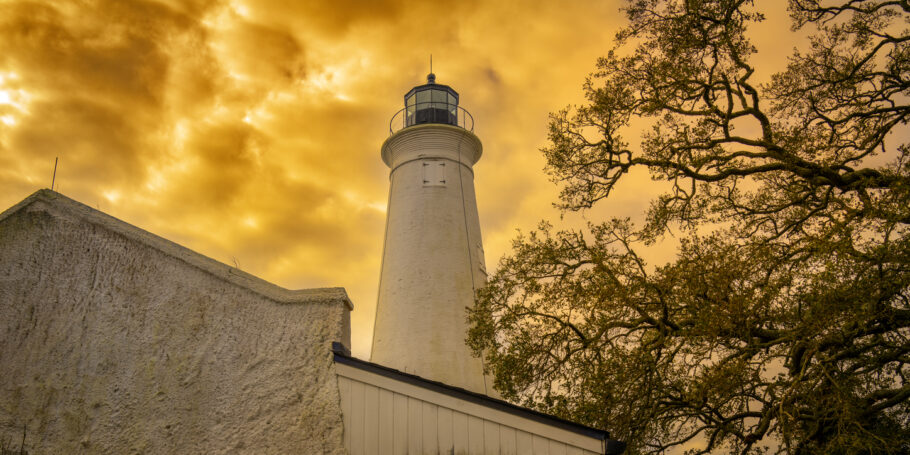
(342, 355)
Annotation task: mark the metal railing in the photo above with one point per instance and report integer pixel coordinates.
(431, 112)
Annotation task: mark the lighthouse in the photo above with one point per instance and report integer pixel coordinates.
(433, 258)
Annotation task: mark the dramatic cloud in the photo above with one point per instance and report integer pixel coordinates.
(250, 131)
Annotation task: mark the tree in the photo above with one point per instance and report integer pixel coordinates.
(783, 320)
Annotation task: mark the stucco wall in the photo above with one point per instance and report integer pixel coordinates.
(115, 341)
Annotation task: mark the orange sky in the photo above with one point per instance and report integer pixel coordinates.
(249, 131)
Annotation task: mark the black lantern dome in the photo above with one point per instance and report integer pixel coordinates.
(431, 103)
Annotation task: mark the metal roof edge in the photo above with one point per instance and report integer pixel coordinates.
(613, 447)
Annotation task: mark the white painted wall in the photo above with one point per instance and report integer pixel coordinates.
(433, 256)
(383, 416)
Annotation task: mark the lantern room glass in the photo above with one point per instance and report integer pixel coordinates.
(431, 103)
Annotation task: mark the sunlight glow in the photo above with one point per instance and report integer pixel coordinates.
(334, 80)
(155, 181)
(8, 76)
(111, 195)
(15, 98)
(241, 9)
(181, 132)
(355, 199)
(237, 76)
(11, 99)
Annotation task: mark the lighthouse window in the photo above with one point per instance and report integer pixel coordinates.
(439, 96)
(423, 97)
(452, 107)
(410, 110)
(434, 173)
(453, 103)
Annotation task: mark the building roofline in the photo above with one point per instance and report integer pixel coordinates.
(75, 210)
(342, 355)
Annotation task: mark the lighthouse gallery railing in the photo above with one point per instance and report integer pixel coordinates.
(431, 112)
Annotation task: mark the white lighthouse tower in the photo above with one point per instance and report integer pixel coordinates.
(433, 257)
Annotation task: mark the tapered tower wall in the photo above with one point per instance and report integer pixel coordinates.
(433, 256)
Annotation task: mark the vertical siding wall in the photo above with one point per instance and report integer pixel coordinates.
(382, 421)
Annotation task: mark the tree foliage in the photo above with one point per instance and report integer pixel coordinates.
(783, 320)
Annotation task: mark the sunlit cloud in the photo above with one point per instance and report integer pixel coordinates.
(250, 131)
(240, 9)
(112, 196)
(251, 222)
(14, 101)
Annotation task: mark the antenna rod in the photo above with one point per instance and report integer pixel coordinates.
(431, 63)
(54, 178)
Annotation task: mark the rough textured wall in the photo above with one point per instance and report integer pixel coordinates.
(115, 341)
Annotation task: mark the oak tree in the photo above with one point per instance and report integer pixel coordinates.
(783, 320)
